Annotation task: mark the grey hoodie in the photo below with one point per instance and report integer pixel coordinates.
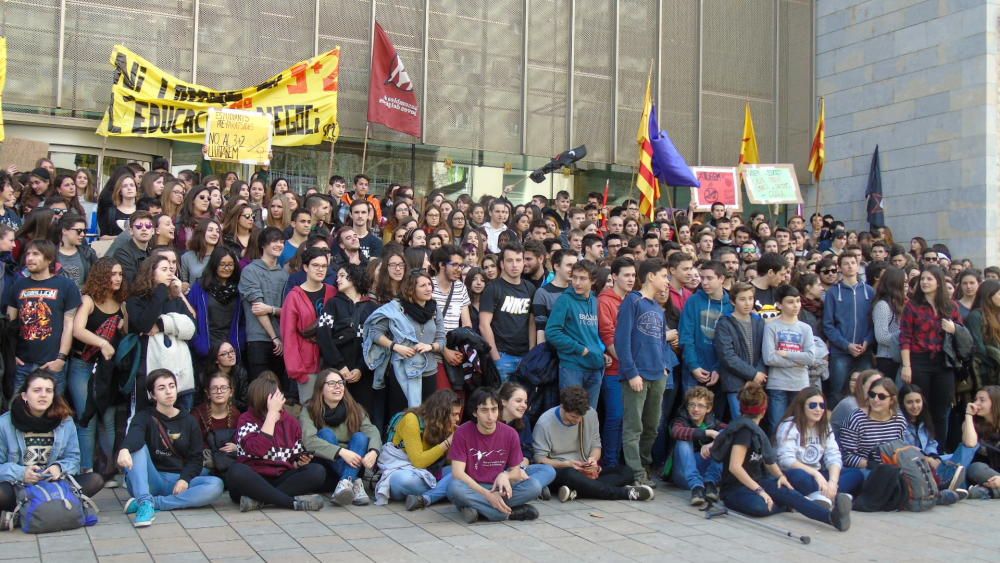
(260, 283)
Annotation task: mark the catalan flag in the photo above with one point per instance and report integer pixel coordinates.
(749, 154)
(817, 155)
(649, 186)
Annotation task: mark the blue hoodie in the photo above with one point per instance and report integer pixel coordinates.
(641, 339)
(571, 327)
(698, 321)
(847, 316)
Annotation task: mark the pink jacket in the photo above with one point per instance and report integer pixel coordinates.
(298, 314)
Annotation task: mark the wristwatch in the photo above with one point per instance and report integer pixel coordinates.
(61, 356)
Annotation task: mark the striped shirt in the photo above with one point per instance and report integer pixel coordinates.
(459, 299)
(862, 435)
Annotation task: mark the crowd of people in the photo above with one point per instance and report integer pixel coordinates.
(294, 350)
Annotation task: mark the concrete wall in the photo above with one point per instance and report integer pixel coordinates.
(920, 79)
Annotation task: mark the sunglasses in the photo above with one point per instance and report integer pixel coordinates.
(879, 396)
(143, 226)
(813, 405)
(78, 231)
(828, 271)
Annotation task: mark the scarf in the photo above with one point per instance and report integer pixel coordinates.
(26, 422)
(223, 293)
(813, 306)
(336, 416)
(419, 314)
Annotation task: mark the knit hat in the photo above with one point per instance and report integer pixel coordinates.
(41, 173)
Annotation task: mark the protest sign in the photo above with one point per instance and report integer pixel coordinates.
(148, 102)
(23, 153)
(718, 184)
(772, 184)
(238, 136)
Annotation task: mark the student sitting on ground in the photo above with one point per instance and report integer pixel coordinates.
(748, 458)
(487, 479)
(162, 456)
(693, 430)
(413, 459)
(272, 468)
(948, 469)
(981, 434)
(345, 443)
(805, 441)
(568, 438)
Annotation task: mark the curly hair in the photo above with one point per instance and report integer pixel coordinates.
(435, 412)
(98, 284)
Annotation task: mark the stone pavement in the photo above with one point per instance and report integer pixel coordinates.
(665, 529)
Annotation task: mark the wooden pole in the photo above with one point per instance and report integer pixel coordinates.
(364, 150)
(818, 181)
(329, 166)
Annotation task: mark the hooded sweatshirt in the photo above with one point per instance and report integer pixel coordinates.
(641, 339)
(847, 316)
(572, 327)
(608, 305)
(698, 321)
(183, 452)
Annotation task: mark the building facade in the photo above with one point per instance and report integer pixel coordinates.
(503, 84)
(920, 80)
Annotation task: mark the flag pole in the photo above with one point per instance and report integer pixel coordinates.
(638, 160)
(329, 166)
(818, 181)
(364, 150)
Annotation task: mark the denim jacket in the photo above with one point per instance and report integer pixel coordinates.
(390, 320)
(65, 449)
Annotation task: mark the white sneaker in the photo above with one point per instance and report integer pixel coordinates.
(566, 494)
(343, 494)
(820, 499)
(360, 495)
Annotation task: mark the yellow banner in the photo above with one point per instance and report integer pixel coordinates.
(238, 136)
(3, 80)
(148, 102)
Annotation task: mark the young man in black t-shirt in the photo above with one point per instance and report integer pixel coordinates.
(45, 305)
(505, 318)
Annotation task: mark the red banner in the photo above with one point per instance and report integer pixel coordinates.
(392, 100)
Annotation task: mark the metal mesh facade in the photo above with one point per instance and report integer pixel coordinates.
(504, 77)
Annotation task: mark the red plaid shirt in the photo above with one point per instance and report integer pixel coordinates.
(920, 328)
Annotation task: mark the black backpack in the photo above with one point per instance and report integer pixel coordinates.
(882, 490)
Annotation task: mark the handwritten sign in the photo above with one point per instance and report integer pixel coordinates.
(238, 136)
(23, 153)
(772, 184)
(718, 184)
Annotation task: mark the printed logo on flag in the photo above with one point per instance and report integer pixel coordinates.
(398, 77)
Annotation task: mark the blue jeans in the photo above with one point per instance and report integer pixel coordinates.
(841, 368)
(691, 470)
(614, 415)
(589, 379)
(734, 405)
(743, 500)
(542, 473)
(507, 365)
(462, 496)
(358, 445)
(22, 373)
(963, 455)
(405, 482)
(851, 479)
(79, 380)
(145, 482)
(777, 404)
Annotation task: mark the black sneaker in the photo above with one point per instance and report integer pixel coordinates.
(523, 512)
(712, 492)
(415, 502)
(470, 515)
(640, 493)
(309, 503)
(546, 494)
(840, 516)
(698, 496)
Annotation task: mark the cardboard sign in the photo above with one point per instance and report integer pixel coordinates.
(23, 153)
(718, 184)
(772, 184)
(238, 136)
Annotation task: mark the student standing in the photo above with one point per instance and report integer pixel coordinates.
(738, 341)
(788, 352)
(609, 302)
(262, 285)
(847, 323)
(505, 319)
(697, 326)
(572, 331)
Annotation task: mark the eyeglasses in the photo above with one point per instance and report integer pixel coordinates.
(143, 226)
(318, 266)
(455, 264)
(227, 353)
(335, 383)
(226, 265)
(697, 406)
(828, 271)
(396, 265)
(219, 389)
(879, 396)
(813, 405)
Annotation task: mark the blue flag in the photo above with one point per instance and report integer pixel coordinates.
(668, 165)
(873, 194)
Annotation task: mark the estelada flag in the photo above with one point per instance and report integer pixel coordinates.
(749, 154)
(392, 100)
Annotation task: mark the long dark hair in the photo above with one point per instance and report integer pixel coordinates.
(507, 391)
(384, 291)
(317, 406)
(144, 280)
(891, 288)
(925, 416)
(59, 409)
(796, 413)
(942, 300)
(209, 277)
